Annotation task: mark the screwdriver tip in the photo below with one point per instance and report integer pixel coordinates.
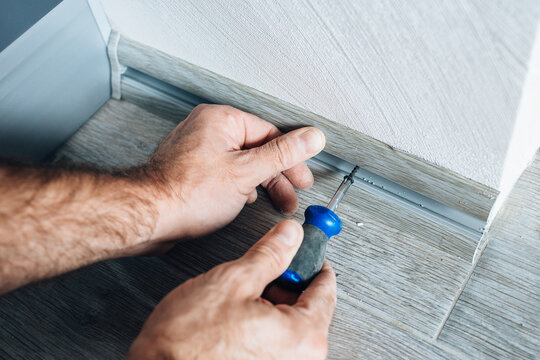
(350, 177)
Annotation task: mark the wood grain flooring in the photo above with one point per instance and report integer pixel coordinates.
(498, 314)
(398, 273)
(398, 262)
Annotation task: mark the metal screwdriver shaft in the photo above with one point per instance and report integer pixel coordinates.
(348, 180)
(321, 223)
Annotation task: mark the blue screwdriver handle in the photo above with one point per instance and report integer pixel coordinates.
(321, 223)
(319, 226)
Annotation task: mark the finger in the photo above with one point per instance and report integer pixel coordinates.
(300, 176)
(282, 194)
(252, 196)
(271, 255)
(256, 130)
(319, 299)
(283, 153)
(278, 295)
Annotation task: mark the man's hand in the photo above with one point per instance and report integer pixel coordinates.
(221, 315)
(56, 220)
(208, 168)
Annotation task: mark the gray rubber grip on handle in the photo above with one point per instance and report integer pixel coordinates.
(309, 259)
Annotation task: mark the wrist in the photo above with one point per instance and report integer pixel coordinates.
(164, 204)
(134, 211)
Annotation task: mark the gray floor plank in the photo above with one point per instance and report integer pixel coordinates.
(398, 272)
(398, 262)
(498, 314)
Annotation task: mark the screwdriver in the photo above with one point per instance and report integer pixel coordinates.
(320, 224)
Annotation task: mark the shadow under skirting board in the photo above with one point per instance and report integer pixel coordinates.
(172, 103)
(437, 183)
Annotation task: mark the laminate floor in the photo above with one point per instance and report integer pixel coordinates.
(398, 273)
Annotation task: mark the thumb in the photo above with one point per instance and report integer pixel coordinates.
(272, 254)
(284, 152)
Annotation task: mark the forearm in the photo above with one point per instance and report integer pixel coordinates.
(53, 221)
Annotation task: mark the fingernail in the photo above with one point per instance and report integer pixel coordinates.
(287, 232)
(313, 140)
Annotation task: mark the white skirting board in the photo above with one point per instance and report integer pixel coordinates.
(405, 169)
(171, 102)
(440, 83)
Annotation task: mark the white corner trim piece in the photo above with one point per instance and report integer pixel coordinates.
(117, 69)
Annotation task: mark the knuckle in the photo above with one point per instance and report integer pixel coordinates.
(228, 273)
(274, 182)
(328, 300)
(271, 254)
(200, 111)
(226, 108)
(235, 277)
(229, 111)
(201, 107)
(244, 160)
(207, 110)
(283, 152)
(225, 115)
(317, 308)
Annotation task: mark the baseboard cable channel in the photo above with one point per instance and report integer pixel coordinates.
(452, 218)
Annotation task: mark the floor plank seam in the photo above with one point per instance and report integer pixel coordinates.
(460, 290)
(398, 324)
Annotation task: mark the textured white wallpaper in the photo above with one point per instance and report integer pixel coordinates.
(442, 80)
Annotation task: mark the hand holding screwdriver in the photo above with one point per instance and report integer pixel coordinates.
(321, 223)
